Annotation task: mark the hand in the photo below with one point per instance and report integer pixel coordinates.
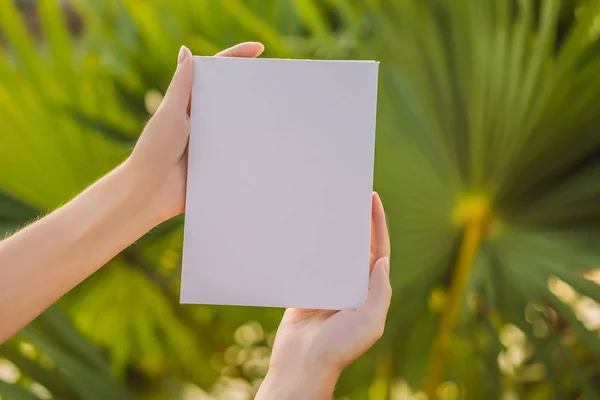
(312, 347)
(160, 155)
(78, 238)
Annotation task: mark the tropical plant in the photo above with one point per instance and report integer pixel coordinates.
(487, 158)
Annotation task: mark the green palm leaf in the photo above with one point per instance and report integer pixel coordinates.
(487, 158)
(15, 392)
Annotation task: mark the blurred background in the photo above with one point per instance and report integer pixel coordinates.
(487, 159)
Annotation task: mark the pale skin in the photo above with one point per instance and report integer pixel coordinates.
(312, 347)
(43, 261)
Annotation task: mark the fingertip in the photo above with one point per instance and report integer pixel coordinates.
(380, 241)
(189, 56)
(259, 47)
(373, 203)
(244, 50)
(184, 55)
(177, 96)
(377, 204)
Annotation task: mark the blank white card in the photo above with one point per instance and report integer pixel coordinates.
(280, 175)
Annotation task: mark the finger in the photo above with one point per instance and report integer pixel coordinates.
(179, 91)
(380, 238)
(296, 315)
(247, 50)
(380, 290)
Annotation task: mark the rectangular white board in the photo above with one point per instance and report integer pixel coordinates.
(280, 176)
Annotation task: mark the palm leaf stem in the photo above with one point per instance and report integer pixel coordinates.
(473, 218)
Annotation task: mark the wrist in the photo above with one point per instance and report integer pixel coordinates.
(144, 186)
(310, 382)
(136, 193)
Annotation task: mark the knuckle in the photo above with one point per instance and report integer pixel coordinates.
(376, 322)
(371, 319)
(378, 331)
(381, 329)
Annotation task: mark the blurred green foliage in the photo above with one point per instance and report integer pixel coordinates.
(487, 159)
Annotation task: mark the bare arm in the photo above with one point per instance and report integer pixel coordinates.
(48, 258)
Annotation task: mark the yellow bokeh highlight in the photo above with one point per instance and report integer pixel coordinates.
(471, 207)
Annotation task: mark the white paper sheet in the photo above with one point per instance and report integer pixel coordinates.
(280, 176)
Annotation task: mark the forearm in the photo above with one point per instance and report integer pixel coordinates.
(291, 384)
(46, 259)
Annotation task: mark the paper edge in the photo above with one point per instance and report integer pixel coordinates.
(307, 60)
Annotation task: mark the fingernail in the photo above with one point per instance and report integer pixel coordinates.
(182, 54)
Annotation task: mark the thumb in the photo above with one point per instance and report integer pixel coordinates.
(178, 94)
(380, 290)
